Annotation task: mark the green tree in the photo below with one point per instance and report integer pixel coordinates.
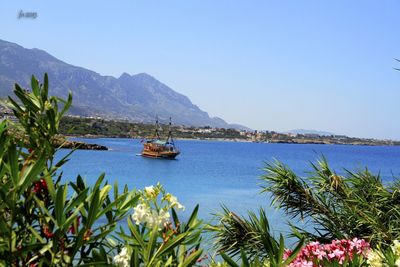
(250, 240)
(357, 204)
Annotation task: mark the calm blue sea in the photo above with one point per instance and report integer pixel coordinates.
(212, 173)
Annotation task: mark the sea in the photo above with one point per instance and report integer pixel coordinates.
(222, 173)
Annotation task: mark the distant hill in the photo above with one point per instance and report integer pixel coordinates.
(137, 97)
(304, 131)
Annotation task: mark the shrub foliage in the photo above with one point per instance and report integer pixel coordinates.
(45, 221)
(357, 204)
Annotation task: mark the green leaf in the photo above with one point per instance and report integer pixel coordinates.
(78, 200)
(36, 234)
(104, 192)
(281, 249)
(43, 207)
(136, 234)
(151, 244)
(192, 258)
(116, 203)
(94, 207)
(135, 261)
(115, 189)
(294, 253)
(45, 87)
(80, 183)
(67, 104)
(192, 218)
(31, 173)
(103, 234)
(244, 258)
(78, 242)
(71, 218)
(99, 181)
(171, 244)
(17, 108)
(175, 217)
(45, 248)
(59, 205)
(229, 260)
(13, 164)
(35, 86)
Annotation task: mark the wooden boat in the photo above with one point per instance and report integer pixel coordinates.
(157, 148)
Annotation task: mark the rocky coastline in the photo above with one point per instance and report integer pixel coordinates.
(81, 145)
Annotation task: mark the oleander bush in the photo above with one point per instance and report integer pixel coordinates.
(45, 221)
(154, 239)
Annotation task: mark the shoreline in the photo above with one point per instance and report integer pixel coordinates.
(291, 142)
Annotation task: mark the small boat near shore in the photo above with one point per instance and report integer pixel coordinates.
(157, 148)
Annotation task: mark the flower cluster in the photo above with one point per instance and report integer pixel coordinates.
(123, 258)
(153, 208)
(144, 214)
(377, 258)
(173, 200)
(40, 187)
(396, 248)
(315, 254)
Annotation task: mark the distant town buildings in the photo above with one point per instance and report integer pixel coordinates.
(6, 113)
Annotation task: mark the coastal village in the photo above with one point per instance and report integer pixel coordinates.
(98, 127)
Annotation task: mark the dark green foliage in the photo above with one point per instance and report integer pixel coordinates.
(38, 116)
(99, 127)
(44, 222)
(179, 245)
(356, 204)
(251, 239)
(91, 126)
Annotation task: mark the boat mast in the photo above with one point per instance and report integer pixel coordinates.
(157, 134)
(170, 132)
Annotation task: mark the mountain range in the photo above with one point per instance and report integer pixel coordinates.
(138, 98)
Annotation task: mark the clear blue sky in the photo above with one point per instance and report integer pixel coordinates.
(275, 65)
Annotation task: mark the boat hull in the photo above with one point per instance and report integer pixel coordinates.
(160, 155)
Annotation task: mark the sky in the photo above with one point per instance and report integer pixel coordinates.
(268, 65)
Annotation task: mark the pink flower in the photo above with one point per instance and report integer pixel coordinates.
(287, 254)
(336, 251)
(320, 254)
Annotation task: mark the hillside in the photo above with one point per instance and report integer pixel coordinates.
(137, 97)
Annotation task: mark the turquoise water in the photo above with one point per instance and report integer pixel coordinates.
(212, 173)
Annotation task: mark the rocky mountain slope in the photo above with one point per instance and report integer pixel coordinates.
(137, 97)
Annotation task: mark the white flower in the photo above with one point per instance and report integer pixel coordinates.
(123, 258)
(152, 219)
(141, 213)
(397, 263)
(374, 259)
(163, 217)
(159, 219)
(396, 248)
(150, 191)
(174, 202)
